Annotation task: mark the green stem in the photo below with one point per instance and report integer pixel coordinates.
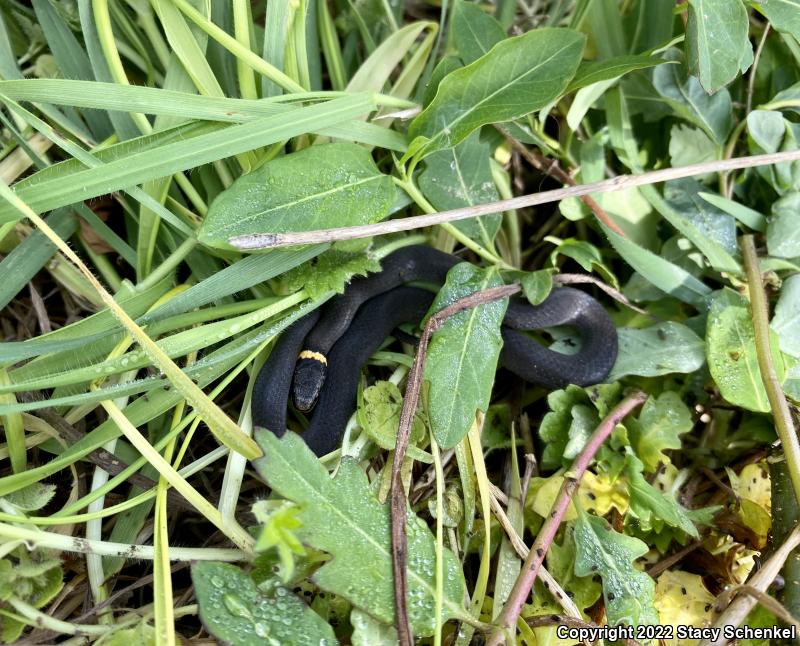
(777, 400)
(241, 29)
(172, 261)
(409, 187)
(235, 47)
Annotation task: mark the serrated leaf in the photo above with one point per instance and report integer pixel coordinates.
(584, 591)
(659, 426)
(652, 507)
(717, 41)
(379, 416)
(461, 176)
(462, 355)
(330, 271)
(658, 350)
(474, 31)
(234, 610)
(627, 591)
(555, 427)
(341, 516)
(731, 353)
(517, 77)
(319, 187)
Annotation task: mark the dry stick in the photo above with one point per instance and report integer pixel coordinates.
(572, 279)
(550, 167)
(777, 400)
(530, 569)
(737, 612)
(619, 183)
(399, 502)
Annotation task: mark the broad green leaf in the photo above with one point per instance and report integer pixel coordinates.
(161, 161)
(744, 214)
(235, 611)
(341, 516)
(688, 145)
(770, 132)
(537, 285)
(652, 507)
(710, 229)
(783, 227)
(519, 76)
(628, 592)
(784, 15)
(463, 353)
(689, 100)
(368, 631)
(659, 426)
(786, 321)
(731, 353)
(584, 591)
(661, 349)
(461, 176)
(316, 188)
(591, 72)
(379, 416)
(474, 31)
(717, 42)
(668, 277)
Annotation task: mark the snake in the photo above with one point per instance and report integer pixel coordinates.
(316, 362)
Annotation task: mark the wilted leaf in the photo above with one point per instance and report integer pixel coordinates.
(682, 600)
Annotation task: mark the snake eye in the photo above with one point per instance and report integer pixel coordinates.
(309, 375)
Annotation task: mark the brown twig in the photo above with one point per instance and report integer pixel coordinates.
(618, 183)
(551, 167)
(398, 497)
(572, 279)
(530, 569)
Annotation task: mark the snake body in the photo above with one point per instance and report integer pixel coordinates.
(317, 360)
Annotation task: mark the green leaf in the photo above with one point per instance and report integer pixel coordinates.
(660, 349)
(584, 590)
(744, 214)
(731, 353)
(463, 353)
(786, 321)
(717, 41)
(689, 100)
(278, 520)
(659, 426)
(343, 517)
(330, 271)
(770, 132)
(379, 416)
(161, 161)
(689, 145)
(316, 188)
(520, 75)
(591, 72)
(652, 507)
(461, 176)
(783, 227)
(566, 424)
(368, 631)
(627, 591)
(537, 285)
(783, 14)
(668, 277)
(234, 610)
(474, 31)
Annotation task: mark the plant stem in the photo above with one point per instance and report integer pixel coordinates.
(530, 569)
(777, 400)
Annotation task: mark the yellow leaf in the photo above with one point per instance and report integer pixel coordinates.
(682, 599)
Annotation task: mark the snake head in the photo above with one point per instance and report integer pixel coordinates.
(309, 375)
